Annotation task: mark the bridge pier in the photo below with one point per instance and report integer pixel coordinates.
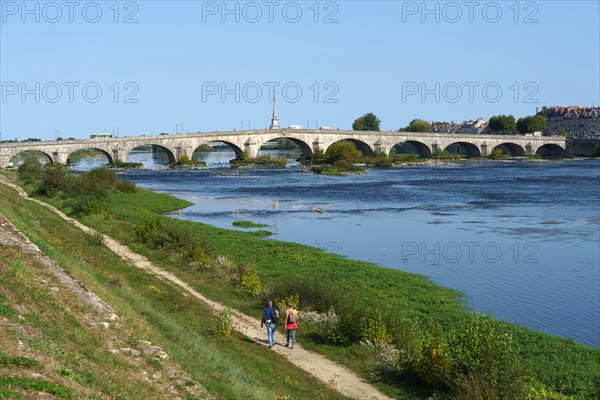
(117, 153)
(59, 157)
(181, 151)
(379, 147)
(251, 147)
(318, 145)
(529, 149)
(484, 149)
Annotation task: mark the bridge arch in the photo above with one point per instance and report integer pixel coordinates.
(104, 152)
(236, 149)
(421, 148)
(20, 156)
(551, 150)
(169, 153)
(513, 149)
(359, 144)
(304, 147)
(467, 148)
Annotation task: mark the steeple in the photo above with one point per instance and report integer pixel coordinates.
(274, 119)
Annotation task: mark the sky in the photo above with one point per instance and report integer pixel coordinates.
(75, 68)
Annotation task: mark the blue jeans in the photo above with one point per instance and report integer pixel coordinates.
(287, 335)
(271, 334)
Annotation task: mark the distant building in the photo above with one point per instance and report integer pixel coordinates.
(444, 127)
(577, 121)
(467, 127)
(472, 127)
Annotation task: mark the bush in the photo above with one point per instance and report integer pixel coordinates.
(498, 154)
(150, 231)
(86, 205)
(486, 358)
(282, 303)
(249, 281)
(373, 331)
(52, 181)
(379, 161)
(224, 324)
(342, 151)
(30, 171)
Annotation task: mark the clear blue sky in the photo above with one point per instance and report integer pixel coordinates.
(175, 57)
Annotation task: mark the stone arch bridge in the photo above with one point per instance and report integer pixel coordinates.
(310, 141)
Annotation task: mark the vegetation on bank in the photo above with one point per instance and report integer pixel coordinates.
(125, 165)
(243, 161)
(55, 330)
(248, 224)
(498, 154)
(398, 329)
(185, 161)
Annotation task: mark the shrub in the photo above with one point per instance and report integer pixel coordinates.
(373, 330)
(435, 366)
(342, 151)
(282, 303)
(150, 230)
(498, 154)
(379, 161)
(250, 281)
(86, 205)
(224, 324)
(485, 357)
(94, 239)
(53, 180)
(30, 171)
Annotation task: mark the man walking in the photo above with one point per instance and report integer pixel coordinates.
(270, 317)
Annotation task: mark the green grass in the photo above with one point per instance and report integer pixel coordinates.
(248, 224)
(7, 384)
(561, 364)
(149, 309)
(6, 360)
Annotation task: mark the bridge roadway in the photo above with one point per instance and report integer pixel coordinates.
(310, 141)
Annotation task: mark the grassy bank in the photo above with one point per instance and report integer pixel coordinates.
(323, 280)
(76, 356)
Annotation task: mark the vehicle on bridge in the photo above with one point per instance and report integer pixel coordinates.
(101, 136)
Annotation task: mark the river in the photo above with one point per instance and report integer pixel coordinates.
(519, 238)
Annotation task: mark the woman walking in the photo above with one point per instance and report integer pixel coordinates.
(291, 324)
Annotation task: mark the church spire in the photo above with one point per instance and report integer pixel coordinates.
(274, 119)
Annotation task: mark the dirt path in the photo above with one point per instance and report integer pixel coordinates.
(327, 371)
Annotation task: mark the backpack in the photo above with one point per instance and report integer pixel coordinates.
(291, 318)
(274, 316)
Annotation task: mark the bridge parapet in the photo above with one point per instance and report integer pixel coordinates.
(250, 141)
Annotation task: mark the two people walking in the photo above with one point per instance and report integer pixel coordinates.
(270, 317)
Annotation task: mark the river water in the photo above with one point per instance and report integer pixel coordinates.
(520, 239)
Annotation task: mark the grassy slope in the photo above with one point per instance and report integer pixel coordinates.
(559, 363)
(150, 310)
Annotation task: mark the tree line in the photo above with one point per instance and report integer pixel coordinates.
(498, 124)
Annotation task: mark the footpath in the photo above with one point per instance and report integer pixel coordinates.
(332, 374)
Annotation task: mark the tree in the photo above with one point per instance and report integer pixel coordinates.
(417, 125)
(368, 122)
(342, 151)
(532, 124)
(504, 123)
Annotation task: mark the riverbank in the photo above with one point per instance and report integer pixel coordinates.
(411, 295)
(122, 355)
